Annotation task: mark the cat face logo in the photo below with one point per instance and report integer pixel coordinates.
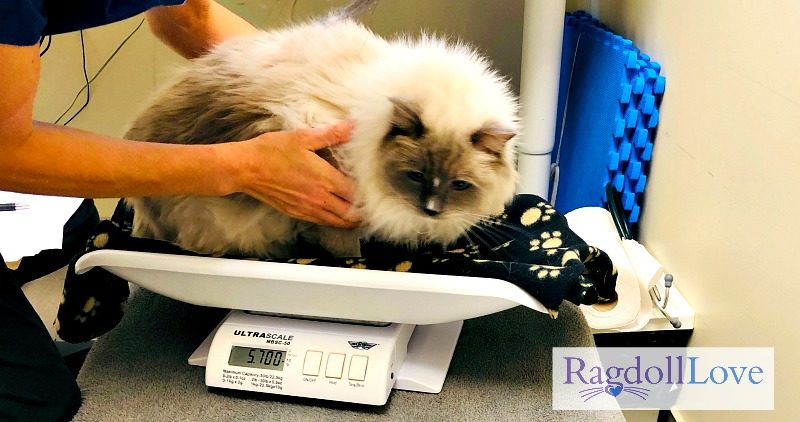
(363, 345)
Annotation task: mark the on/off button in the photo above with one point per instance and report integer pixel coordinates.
(312, 362)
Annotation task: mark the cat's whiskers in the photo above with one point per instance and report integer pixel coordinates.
(469, 229)
(502, 236)
(465, 228)
(488, 226)
(491, 242)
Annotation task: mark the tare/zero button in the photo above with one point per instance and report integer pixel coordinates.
(358, 368)
(335, 365)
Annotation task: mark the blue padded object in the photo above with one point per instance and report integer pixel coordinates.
(609, 97)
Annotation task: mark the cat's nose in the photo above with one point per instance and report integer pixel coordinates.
(432, 206)
(432, 212)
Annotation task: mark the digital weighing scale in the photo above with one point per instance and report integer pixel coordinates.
(302, 330)
(343, 361)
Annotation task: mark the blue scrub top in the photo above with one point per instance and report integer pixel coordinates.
(23, 22)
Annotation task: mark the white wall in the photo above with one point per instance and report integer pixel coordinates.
(722, 202)
(117, 94)
(495, 27)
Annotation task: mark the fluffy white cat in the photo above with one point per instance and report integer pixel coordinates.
(431, 152)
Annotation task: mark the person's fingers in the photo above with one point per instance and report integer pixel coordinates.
(341, 208)
(340, 185)
(327, 218)
(305, 186)
(323, 137)
(331, 211)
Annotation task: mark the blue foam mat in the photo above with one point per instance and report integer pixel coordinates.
(609, 99)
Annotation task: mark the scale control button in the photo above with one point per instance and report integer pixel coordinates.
(335, 365)
(312, 362)
(358, 368)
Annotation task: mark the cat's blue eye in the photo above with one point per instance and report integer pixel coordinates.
(460, 184)
(416, 176)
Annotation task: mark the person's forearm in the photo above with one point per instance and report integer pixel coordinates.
(195, 27)
(55, 160)
(280, 169)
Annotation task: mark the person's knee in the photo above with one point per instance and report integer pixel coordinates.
(55, 397)
(70, 403)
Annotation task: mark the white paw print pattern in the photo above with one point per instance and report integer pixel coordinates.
(547, 240)
(403, 266)
(543, 272)
(357, 263)
(541, 212)
(570, 255)
(89, 310)
(100, 241)
(467, 252)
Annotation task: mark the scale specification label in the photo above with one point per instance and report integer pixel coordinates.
(252, 379)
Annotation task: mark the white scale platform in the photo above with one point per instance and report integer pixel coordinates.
(429, 308)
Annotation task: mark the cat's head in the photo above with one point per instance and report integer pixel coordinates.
(435, 154)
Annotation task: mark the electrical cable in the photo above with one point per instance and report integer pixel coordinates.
(90, 80)
(47, 47)
(617, 212)
(85, 78)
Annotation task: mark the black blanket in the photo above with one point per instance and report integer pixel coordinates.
(529, 245)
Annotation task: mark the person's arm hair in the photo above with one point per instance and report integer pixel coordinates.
(47, 159)
(196, 26)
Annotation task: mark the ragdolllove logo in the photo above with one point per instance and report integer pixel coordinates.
(672, 370)
(692, 378)
(614, 389)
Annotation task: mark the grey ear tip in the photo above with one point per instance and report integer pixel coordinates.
(405, 108)
(498, 132)
(511, 135)
(401, 102)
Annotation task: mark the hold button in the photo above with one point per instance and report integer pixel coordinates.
(335, 365)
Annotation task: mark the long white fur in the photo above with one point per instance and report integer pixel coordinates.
(322, 72)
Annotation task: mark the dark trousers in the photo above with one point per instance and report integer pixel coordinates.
(35, 384)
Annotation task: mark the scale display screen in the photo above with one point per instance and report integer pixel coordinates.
(253, 357)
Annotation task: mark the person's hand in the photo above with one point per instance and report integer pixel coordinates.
(283, 170)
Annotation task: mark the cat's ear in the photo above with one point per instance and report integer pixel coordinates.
(405, 120)
(492, 139)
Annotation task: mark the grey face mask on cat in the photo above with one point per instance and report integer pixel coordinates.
(439, 173)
